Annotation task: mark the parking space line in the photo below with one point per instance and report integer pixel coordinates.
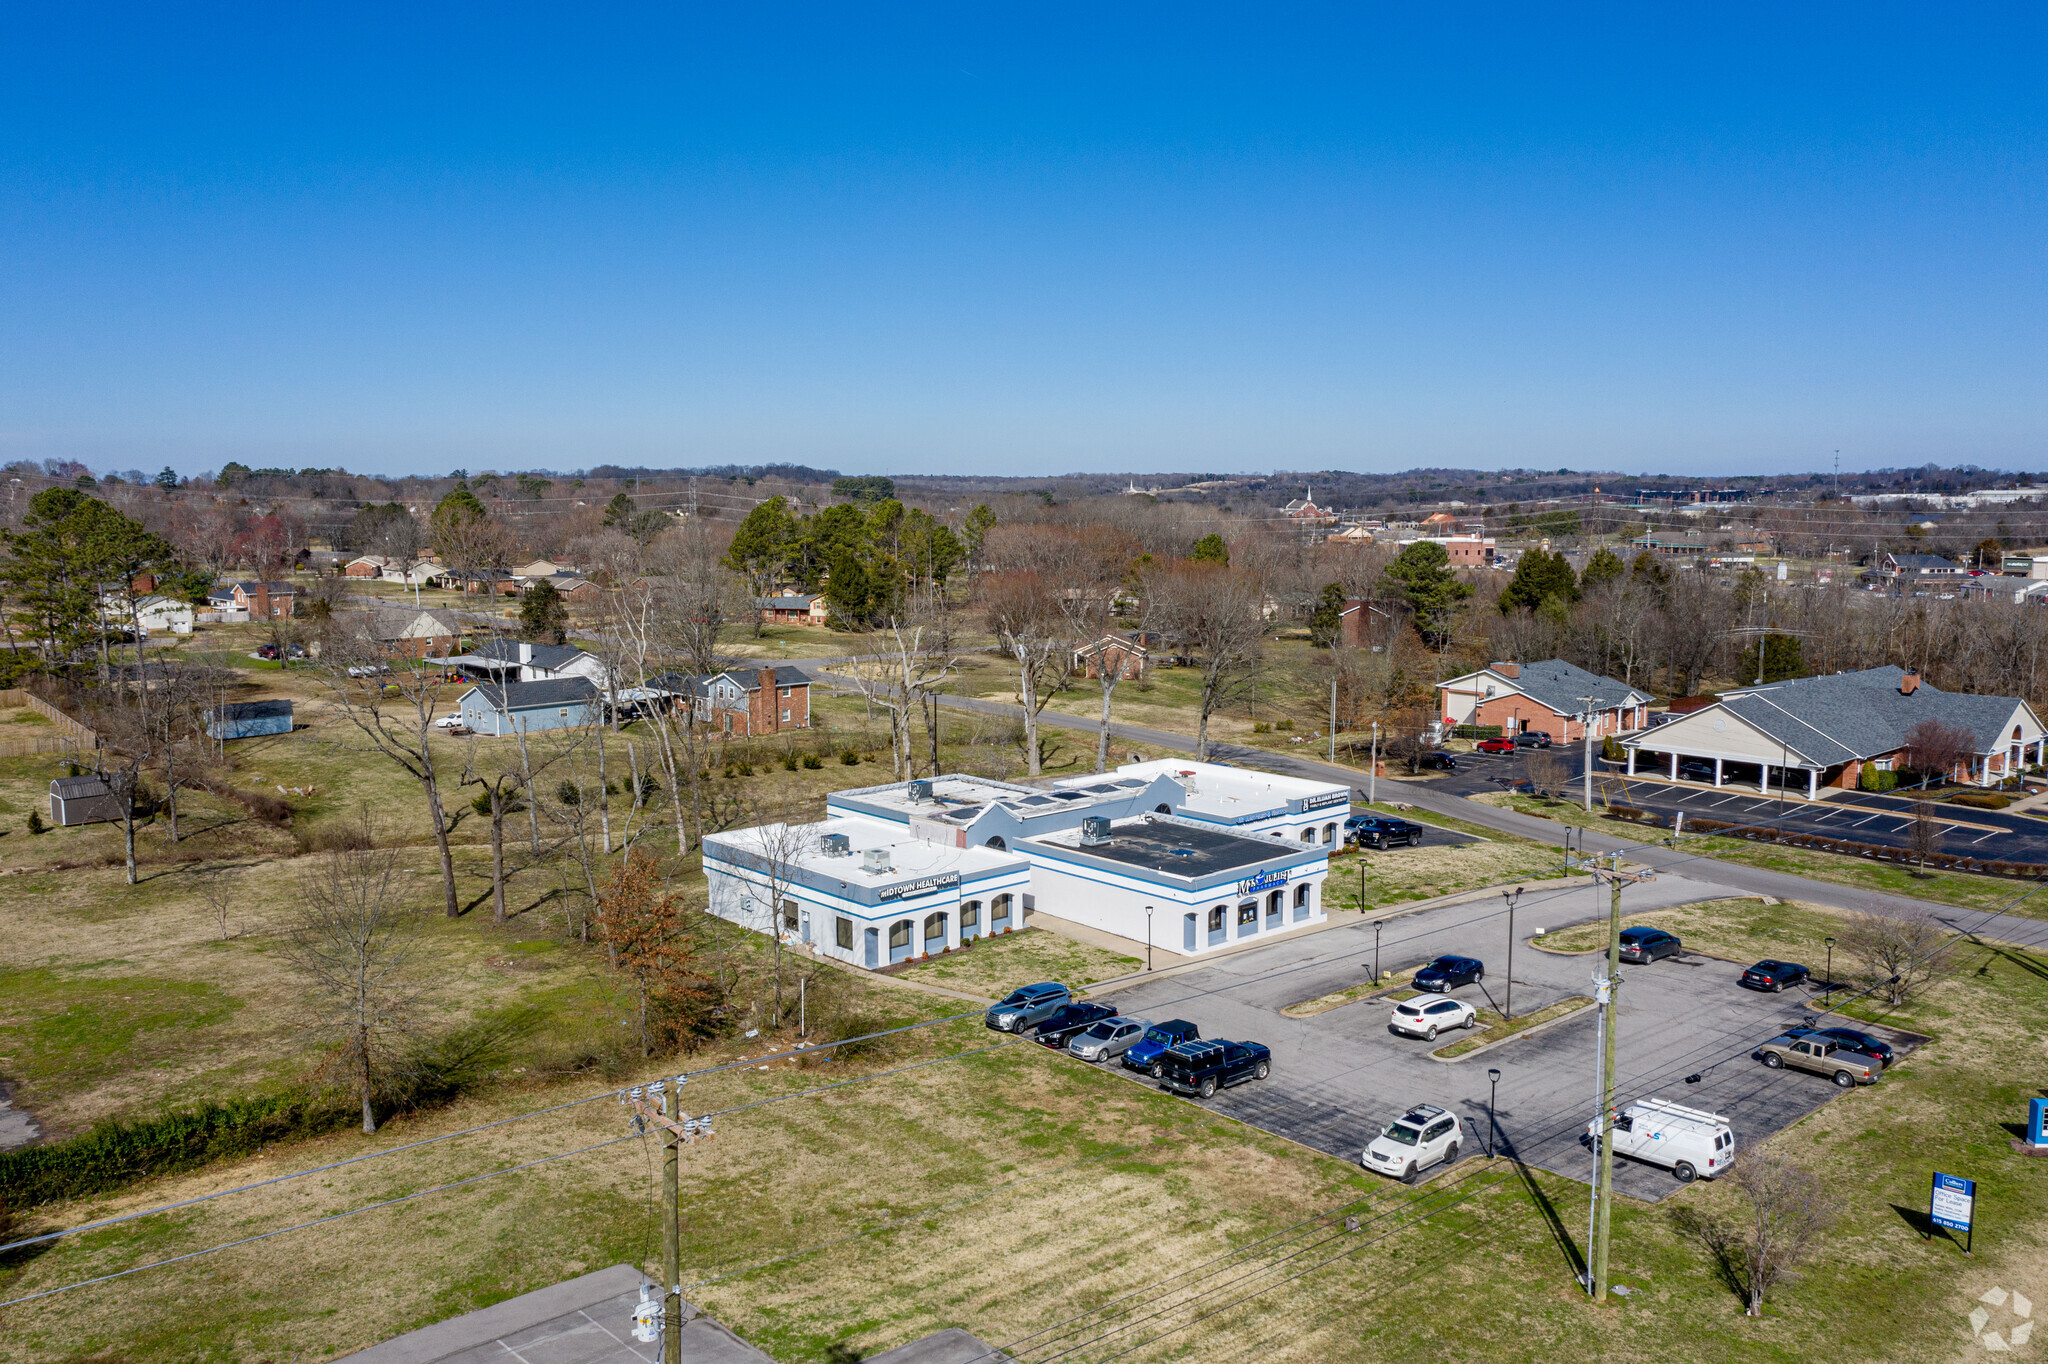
(1904, 825)
(1861, 822)
(1719, 803)
(1975, 841)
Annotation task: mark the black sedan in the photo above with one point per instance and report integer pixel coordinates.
(1382, 831)
(1851, 1040)
(1647, 944)
(1695, 769)
(1775, 975)
(1442, 762)
(1056, 1031)
(1448, 973)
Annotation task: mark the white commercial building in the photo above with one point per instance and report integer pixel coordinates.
(1241, 800)
(862, 891)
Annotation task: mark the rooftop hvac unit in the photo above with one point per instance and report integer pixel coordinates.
(1094, 830)
(835, 845)
(920, 791)
(875, 860)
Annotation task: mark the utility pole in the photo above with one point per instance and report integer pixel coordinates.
(1507, 1009)
(1333, 709)
(1586, 729)
(676, 1128)
(1607, 989)
(1372, 771)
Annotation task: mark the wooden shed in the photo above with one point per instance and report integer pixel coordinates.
(82, 800)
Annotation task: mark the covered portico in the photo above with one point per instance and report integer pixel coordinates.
(1792, 775)
(1718, 745)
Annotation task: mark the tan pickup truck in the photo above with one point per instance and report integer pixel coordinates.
(1846, 1068)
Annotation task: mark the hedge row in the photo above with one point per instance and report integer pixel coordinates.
(115, 1154)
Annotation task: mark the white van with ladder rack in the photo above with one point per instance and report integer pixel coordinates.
(1685, 1141)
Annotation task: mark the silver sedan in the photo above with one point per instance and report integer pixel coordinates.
(1110, 1037)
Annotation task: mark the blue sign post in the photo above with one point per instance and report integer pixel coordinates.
(2037, 1122)
(1952, 1205)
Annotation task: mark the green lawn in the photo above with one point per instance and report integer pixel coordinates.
(995, 966)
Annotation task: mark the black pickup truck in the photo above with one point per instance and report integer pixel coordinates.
(1199, 1067)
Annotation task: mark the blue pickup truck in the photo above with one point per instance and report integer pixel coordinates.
(1202, 1067)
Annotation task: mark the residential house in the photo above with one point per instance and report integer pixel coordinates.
(1352, 536)
(490, 582)
(169, 615)
(262, 600)
(1810, 732)
(515, 660)
(529, 707)
(738, 704)
(1122, 656)
(542, 568)
(412, 632)
(422, 573)
(366, 566)
(1464, 551)
(794, 608)
(1551, 696)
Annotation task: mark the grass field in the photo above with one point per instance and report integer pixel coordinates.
(995, 966)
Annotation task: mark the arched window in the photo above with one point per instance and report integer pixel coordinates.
(1274, 903)
(970, 918)
(899, 935)
(996, 841)
(934, 929)
(999, 914)
(1301, 896)
(1216, 919)
(1329, 833)
(1248, 913)
(1162, 809)
(1308, 835)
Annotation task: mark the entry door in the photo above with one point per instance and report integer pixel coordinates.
(807, 925)
(1187, 933)
(874, 947)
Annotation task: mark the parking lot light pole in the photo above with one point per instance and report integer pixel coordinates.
(1507, 1008)
(1828, 994)
(1148, 937)
(1372, 771)
(1377, 924)
(1586, 732)
(1492, 1124)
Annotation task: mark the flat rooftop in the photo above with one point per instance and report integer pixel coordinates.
(911, 858)
(1218, 791)
(1178, 849)
(961, 799)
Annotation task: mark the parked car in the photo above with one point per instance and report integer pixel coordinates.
(1062, 1027)
(1382, 831)
(1495, 745)
(1648, 944)
(266, 651)
(1428, 1017)
(1775, 975)
(369, 669)
(1029, 1006)
(1850, 1039)
(1202, 1067)
(452, 720)
(1695, 769)
(1421, 1137)
(1846, 1068)
(1438, 761)
(1685, 1141)
(1144, 1053)
(1448, 973)
(1110, 1037)
(1660, 717)
(1533, 738)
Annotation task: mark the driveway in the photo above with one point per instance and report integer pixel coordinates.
(1338, 1075)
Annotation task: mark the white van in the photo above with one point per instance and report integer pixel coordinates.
(1683, 1140)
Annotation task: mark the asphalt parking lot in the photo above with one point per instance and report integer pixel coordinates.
(1338, 1075)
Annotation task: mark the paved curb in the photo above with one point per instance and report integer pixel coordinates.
(1544, 1026)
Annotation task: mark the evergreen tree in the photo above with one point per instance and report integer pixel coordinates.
(1604, 567)
(543, 615)
(979, 523)
(761, 549)
(1328, 621)
(1783, 658)
(619, 510)
(1210, 549)
(1539, 576)
(1421, 575)
(167, 479)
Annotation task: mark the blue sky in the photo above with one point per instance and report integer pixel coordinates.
(1024, 240)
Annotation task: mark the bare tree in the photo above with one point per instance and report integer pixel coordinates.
(353, 941)
(393, 711)
(767, 865)
(899, 663)
(1924, 835)
(1788, 1212)
(1217, 614)
(1546, 771)
(1018, 609)
(502, 776)
(217, 888)
(1936, 749)
(1900, 949)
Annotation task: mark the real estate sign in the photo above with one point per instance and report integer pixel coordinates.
(1952, 1202)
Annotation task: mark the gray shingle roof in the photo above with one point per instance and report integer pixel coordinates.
(556, 691)
(1559, 685)
(1846, 716)
(506, 651)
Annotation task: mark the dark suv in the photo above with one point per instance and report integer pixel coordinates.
(1648, 944)
(1442, 762)
(1063, 1026)
(1533, 738)
(1200, 1067)
(1448, 973)
(1775, 975)
(1382, 831)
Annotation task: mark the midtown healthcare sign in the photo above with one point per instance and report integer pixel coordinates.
(909, 889)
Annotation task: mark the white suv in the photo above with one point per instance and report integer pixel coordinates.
(1426, 1017)
(1422, 1136)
